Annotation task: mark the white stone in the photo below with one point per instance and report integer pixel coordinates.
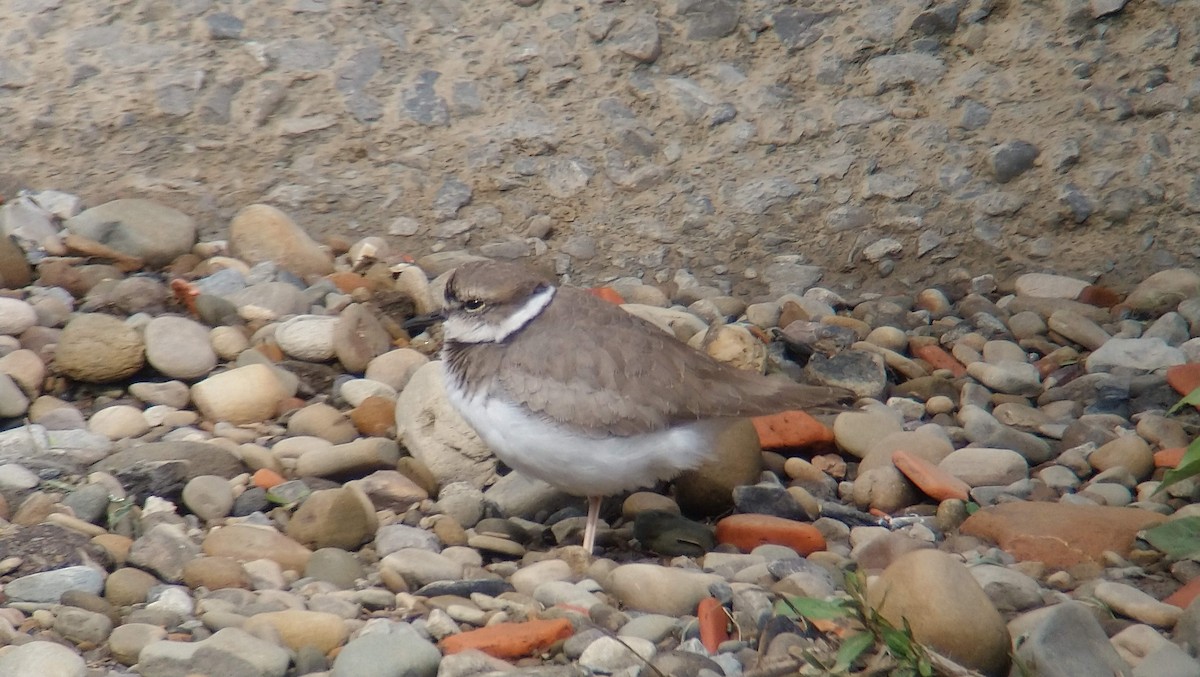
(307, 337)
(247, 394)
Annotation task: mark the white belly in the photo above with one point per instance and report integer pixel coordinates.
(579, 464)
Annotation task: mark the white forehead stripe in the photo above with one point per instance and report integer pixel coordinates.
(467, 329)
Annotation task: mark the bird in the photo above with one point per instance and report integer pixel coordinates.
(573, 390)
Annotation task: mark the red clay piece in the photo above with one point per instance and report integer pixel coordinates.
(608, 294)
(792, 430)
(935, 482)
(265, 478)
(510, 640)
(1184, 378)
(938, 358)
(714, 624)
(1169, 458)
(1184, 596)
(747, 532)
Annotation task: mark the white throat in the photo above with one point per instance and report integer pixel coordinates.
(468, 329)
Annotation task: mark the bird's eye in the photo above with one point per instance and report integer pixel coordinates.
(473, 305)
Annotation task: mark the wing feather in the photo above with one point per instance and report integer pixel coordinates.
(625, 375)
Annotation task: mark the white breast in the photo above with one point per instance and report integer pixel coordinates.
(577, 463)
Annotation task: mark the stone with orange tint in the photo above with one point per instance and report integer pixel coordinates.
(510, 640)
(375, 417)
(748, 531)
(792, 430)
(938, 358)
(1057, 534)
(935, 482)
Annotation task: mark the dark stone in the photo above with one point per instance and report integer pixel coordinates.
(767, 499)
(670, 535)
(251, 501)
(224, 26)
(452, 196)
(1079, 204)
(941, 20)
(423, 104)
(797, 26)
(45, 547)
(678, 663)
(974, 115)
(1012, 158)
(710, 19)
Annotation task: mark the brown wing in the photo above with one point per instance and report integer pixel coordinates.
(622, 374)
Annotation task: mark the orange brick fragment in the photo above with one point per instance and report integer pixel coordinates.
(510, 640)
(714, 623)
(938, 358)
(1169, 458)
(748, 531)
(265, 478)
(1184, 596)
(347, 281)
(792, 430)
(608, 294)
(935, 482)
(1184, 378)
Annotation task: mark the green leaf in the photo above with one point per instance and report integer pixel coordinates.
(1188, 466)
(851, 649)
(812, 608)
(899, 643)
(1192, 398)
(1179, 539)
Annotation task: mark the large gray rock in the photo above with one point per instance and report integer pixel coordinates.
(231, 651)
(153, 232)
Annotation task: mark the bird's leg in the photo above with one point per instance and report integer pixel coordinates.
(589, 531)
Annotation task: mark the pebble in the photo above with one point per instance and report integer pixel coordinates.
(208, 496)
(16, 316)
(308, 337)
(179, 347)
(227, 651)
(49, 659)
(1129, 601)
(119, 422)
(49, 586)
(397, 645)
(659, 590)
(939, 599)
(978, 466)
(249, 394)
(96, 348)
(261, 233)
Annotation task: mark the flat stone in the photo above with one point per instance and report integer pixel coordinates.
(1059, 535)
(229, 651)
(144, 229)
